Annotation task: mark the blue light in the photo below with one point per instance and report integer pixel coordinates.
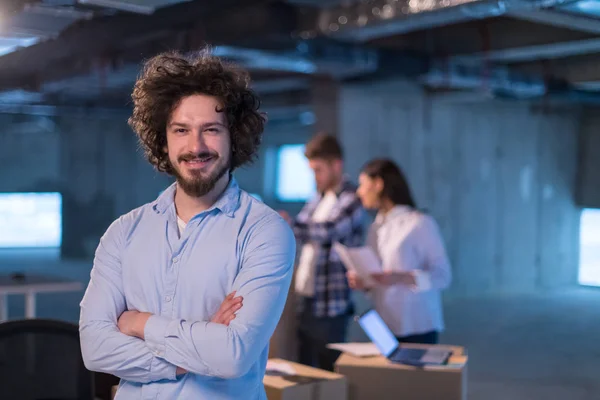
(589, 248)
(30, 220)
(295, 179)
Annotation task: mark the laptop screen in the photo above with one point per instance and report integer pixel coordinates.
(378, 332)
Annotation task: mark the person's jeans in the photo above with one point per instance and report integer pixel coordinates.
(313, 336)
(423, 338)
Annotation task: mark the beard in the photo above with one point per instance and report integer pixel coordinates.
(199, 184)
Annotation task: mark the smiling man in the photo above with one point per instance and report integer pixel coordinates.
(186, 291)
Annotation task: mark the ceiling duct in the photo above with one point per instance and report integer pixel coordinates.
(309, 57)
(37, 22)
(443, 75)
(266, 60)
(560, 19)
(501, 82)
(43, 21)
(369, 20)
(532, 53)
(135, 6)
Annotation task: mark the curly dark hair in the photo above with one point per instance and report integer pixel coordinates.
(169, 77)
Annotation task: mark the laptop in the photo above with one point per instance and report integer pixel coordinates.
(387, 344)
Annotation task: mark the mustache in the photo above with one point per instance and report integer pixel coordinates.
(192, 156)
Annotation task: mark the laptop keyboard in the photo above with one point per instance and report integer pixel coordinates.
(408, 354)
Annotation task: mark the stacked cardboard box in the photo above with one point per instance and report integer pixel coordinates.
(304, 383)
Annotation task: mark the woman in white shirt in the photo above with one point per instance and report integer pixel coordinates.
(415, 265)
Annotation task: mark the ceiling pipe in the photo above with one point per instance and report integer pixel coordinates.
(478, 78)
(370, 20)
(310, 57)
(559, 19)
(533, 53)
(146, 7)
(501, 82)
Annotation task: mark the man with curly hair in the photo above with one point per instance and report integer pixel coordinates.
(186, 291)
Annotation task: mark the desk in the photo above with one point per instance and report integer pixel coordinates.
(377, 378)
(30, 286)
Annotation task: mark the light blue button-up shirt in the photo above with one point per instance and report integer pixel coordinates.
(143, 264)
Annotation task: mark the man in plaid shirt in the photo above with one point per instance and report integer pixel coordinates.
(335, 215)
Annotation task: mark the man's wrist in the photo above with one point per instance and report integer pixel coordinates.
(140, 325)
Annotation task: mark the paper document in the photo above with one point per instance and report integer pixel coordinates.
(367, 349)
(361, 260)
(282, 368)
(304, 282)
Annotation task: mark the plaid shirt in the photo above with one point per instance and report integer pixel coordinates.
(346, 225)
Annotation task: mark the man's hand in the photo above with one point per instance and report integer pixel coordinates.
(229, 307)
(354, 281)
(132, 323)
(224, 316)
(390, 278)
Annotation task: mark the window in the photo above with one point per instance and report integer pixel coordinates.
(30, 220)
(295, 179)
(589, 247)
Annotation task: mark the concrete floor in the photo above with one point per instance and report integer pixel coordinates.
(530, 347)
(521, 347)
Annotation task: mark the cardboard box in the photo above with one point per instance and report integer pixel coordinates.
(377, 378)
(306, 384)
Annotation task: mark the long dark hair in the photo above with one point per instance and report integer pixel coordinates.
(395, 186)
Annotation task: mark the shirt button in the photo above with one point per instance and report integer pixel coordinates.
(175, 260)
(167, 298)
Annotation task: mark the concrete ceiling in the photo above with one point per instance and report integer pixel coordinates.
(68, 51)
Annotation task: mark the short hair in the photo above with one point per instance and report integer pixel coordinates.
(395, 185)
(324, 146)
(169, 77)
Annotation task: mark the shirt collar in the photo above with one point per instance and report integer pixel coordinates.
(344, 186)
(230, 199)
(227, 203)
(395, 211)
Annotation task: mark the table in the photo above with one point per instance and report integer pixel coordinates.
(30, 285)
(378, 378)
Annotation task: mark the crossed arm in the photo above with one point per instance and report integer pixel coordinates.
(133, 323)
(142, 347)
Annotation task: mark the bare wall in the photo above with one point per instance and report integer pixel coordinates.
(94, 160)
(499, 178)
(588, 188)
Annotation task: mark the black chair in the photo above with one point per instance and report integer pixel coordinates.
(41, 360)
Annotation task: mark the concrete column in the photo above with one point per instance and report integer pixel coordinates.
(324, 99)
(588, 190)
